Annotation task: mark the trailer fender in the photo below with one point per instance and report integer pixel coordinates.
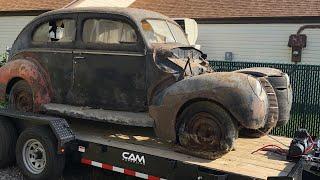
(29, 71)
(240, 94)
(59, 126)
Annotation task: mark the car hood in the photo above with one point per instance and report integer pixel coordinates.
(173, 58)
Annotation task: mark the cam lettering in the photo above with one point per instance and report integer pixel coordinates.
(134, 158)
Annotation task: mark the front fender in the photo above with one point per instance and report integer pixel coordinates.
(231, 90)
(261, 71)
(32, 73)
(281, 84)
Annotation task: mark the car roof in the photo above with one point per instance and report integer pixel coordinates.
(133, 13)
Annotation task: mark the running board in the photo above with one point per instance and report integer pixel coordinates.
(116, 117)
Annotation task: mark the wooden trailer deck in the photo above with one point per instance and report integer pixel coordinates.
(239, 161)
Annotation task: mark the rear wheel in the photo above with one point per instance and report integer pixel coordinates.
(36, 154)
(206, 127)
(8, 139)
(21, 97)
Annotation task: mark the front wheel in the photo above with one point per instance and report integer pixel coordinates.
(207, 130)
(36, 154)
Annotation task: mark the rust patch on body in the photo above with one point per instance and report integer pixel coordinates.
(30, 72)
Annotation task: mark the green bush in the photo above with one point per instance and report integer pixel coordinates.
(3, 105)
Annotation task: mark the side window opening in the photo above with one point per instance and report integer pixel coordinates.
(56, 31)
(108, 32)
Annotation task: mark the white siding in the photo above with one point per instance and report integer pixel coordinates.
(256, 42)
(10, 27)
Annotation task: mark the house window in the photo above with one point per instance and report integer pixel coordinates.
(56, 31)
(108, 32)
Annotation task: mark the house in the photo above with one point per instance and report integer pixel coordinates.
(252, 30)
(14, 15)
(233, 30)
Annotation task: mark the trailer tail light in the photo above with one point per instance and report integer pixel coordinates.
(81, 149)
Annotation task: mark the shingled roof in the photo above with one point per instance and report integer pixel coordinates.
(231, 8)
(32, 5)
(198, 9)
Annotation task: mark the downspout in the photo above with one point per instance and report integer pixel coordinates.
(302, 28)
(298, 41)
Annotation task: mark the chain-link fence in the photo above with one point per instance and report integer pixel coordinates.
(305, 80)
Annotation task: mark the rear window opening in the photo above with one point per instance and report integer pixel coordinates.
(63, 30)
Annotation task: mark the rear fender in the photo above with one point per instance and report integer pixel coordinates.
(231, 90)
(31, 72)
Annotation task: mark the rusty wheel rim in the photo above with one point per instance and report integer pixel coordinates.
(206, 132)
(21, 99)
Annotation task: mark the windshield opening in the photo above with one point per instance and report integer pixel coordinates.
(161, 31)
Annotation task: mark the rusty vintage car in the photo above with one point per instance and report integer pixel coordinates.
(135, 67)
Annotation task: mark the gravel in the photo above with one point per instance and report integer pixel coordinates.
(12, 173)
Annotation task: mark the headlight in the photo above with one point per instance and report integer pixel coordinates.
(288, 79)
(255, 85)
(258, 88)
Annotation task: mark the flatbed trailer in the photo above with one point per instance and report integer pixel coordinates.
(138, 152)
(107, 147)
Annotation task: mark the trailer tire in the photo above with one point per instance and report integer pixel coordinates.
(8, 139)
(207, 127)
(36, 153)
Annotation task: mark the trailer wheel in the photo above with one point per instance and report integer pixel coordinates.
(21, 97)
(205, 126)
(36, 154)
(8, 139)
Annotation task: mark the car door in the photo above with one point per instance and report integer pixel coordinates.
(53, 40)
(109, 64)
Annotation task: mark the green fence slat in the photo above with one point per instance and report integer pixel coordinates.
(305, 81)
